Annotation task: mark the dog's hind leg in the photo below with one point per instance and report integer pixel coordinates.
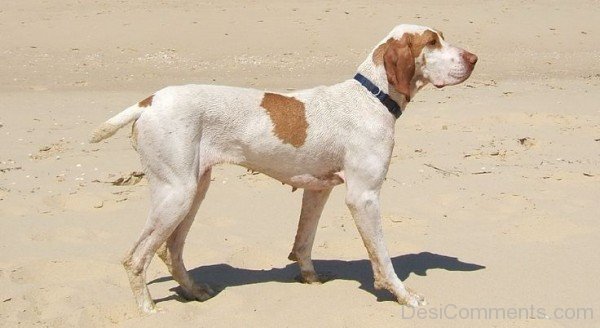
(172, 199)
(313, 202)
(171, 252)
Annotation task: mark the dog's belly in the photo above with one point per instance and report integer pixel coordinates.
(308, 181)
(311, 182)
(315, 173)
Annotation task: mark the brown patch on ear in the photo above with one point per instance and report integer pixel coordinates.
(416, 42)
(288, 117)
(441, 34)
(399, 64)
(380, 51)
(420, 41)
(146, 102)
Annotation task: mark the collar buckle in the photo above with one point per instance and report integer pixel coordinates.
(383, 97)
(378, 92)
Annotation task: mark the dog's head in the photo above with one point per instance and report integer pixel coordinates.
(416, 55)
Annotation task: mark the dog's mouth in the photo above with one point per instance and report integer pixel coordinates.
(455, 79)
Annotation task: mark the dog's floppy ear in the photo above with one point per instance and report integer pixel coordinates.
(400, 65)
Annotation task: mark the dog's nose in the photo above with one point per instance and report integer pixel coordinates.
(469, 57)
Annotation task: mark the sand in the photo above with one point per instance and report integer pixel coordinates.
(491, 205)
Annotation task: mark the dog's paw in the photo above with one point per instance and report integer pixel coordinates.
(412, 299)
(293, 257)
(199, 292)
(313, 278)
(150, 308)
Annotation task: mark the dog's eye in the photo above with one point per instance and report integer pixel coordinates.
(432, 42)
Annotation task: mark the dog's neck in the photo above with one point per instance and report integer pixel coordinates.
(376, 73)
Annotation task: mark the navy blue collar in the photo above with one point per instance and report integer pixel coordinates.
(385, 99)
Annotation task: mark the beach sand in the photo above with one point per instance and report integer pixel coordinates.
(490, 210)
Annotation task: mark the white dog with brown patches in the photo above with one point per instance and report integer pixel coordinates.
(312, 139)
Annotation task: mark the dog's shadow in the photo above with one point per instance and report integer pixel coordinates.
(222, 276)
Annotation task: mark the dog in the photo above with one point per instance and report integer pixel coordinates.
(312, 139)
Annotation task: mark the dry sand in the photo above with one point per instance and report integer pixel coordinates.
(492, 199)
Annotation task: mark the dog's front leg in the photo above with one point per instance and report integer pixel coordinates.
(313, 202)
(362, 198)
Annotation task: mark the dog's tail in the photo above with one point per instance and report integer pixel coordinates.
(110, 127)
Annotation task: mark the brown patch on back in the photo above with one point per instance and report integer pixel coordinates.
(416, 42)
(146, 102)
(288, 117)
